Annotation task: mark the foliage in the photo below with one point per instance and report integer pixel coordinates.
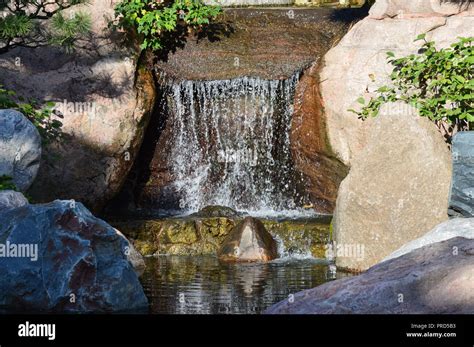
(41, 117)
(152, 19)
(437, 82)
(34, 23)
(6, 183)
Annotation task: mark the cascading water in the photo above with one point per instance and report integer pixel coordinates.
(231, 144)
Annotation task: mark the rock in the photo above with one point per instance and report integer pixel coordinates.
(310, 149)
(20, 149)
(430, 280)
(9, 199)
(203, 236)
(396, 190)
(216, 211)
(358, 65)
(460, 227)
(248, 241)
(416, 8)
(77, 263)
(106, 97)
(461, 199)
(269, 43)
(133, 256)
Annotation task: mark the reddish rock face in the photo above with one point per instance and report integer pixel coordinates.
(309, 144)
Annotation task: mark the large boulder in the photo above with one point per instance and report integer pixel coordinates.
(67, 260)
(459, 227)
(397, 188)
(358, 65)
(248, 241)
(20, 148)
(461, 198)
(438, 278)
(418, 8)
(106, 99)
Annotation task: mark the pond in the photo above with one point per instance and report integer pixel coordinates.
(204, 285)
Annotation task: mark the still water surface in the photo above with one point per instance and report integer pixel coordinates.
(204, 285)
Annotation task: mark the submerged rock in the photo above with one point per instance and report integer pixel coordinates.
(397, 188)
(461, 200)
(71, 261)
(248, 241)
(20, 148)
(435, 279)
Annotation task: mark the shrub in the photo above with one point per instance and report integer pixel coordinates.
(41, 117)
(437, 82)
(152, 19)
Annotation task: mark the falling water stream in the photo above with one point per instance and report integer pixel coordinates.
(231, 145)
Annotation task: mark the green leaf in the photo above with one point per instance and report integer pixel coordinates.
(361, 101)
(420, 37)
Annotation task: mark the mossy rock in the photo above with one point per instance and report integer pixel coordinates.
(204, 236)
(216, 211)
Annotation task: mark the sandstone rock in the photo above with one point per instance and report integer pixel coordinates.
(460, 227)
(357, 66)
(310, 148)
(417, 8)
(20, 148)
(461, 199)
(431, 279)
(106, 99)
(397, 188)
(248, 241)
(77, 262)
(10, 199)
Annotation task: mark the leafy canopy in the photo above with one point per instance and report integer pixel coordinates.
(34, 23)
(437, 82)
(151, 19)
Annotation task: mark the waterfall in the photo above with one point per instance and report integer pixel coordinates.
(230, 144)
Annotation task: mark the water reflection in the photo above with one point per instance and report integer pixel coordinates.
(203, 285)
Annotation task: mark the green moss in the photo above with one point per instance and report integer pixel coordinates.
(199, 236)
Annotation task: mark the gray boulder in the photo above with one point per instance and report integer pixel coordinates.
(435, 279)
(10, 199)
(459, 227)
(461, 199)
(248, 241)
(66, 260)
(20, 148)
